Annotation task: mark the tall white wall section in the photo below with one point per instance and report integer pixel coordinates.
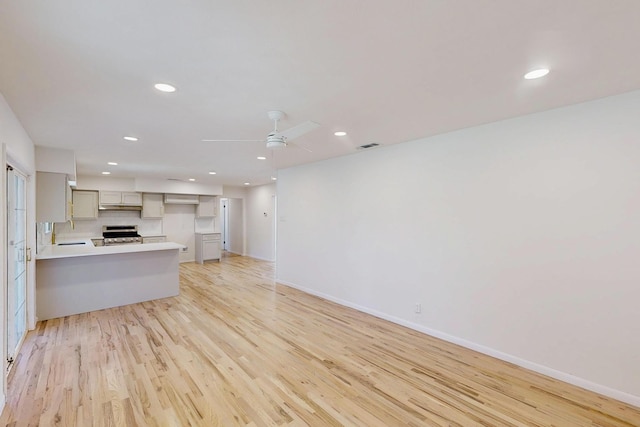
(519, 238)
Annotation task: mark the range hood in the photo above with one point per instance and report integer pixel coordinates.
(119, 208)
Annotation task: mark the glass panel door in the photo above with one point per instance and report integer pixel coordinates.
(16, 262)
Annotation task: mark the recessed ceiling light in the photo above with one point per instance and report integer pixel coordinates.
(262, 158)
(212, 173)
(163, 87)
(273, 178)
(112, 163)
(130, 138)
(106, 173)
(247, 183)
(192, 179)
(340, 133)
(536, 74)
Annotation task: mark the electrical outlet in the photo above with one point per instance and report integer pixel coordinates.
(418, 308)
(185, 249)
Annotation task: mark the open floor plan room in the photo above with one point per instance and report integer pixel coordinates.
(237, 349)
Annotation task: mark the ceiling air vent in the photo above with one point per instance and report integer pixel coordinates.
(365, 146)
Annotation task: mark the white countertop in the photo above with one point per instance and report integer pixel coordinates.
(88, 249)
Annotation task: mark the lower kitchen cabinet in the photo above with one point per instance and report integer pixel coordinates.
(207, 247)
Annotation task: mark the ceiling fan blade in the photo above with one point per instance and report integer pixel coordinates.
(299, 130)
(300, 146)
(233, 140)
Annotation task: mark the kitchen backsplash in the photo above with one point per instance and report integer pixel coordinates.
(42, 236)
(93, 228)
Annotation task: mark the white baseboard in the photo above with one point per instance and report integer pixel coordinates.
(532, 366)
(235, 253)
(260, 258)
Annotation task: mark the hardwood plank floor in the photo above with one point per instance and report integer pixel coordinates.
(236, 349)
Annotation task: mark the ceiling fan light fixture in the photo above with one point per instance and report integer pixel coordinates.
(276, 141)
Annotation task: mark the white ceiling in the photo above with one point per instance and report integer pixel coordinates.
(79, 74)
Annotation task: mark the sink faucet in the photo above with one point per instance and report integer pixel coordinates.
(53, 230)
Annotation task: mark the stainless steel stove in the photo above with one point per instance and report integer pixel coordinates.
(120, 235)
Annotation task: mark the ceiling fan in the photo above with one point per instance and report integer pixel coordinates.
(276, 138)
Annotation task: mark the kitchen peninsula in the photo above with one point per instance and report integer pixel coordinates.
(78, 277)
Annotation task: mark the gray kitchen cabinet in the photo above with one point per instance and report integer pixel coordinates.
(53, 197)
(85, 204)
(152, 205)
(207, 247)
(208, 207)
(131, 198)
(181, 199)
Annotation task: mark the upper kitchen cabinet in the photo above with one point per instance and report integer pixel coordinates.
(85, 204)
(152, 205)
(181, 199)
(208, 207)
(129, 198)
(53, 197)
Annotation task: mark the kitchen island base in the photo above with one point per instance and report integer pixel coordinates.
(74, 285)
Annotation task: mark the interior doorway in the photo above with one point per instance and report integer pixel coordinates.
(16, 227)
(232, 225)
(224, 219)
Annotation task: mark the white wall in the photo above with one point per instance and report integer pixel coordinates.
(519, 238)
(20, 153)
(260, 210)
(233, 192)
(179, 225)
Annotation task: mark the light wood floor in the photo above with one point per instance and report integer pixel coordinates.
(234, 349)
